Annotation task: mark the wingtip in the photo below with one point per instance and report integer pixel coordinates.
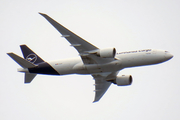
(9, 53)
(95, 101)
(23, 45)
(41, 13)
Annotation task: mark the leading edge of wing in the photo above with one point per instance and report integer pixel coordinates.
(80, 44)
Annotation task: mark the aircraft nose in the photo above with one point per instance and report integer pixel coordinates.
(168, 55)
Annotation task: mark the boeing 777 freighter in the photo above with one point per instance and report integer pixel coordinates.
(102, 64)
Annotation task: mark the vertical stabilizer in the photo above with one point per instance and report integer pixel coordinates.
(30, 55)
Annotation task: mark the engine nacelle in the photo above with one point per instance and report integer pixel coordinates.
(123, 80)
(107, 53)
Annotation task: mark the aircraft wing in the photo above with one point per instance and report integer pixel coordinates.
(82, 46)
(102, 84)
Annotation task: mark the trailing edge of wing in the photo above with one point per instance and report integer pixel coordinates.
(80, 44)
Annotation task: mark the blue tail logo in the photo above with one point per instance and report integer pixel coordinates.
(30, 55)
(31, 58)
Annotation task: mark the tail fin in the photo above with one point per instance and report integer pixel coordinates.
(30, 60)
(25, 64)
(30, 55)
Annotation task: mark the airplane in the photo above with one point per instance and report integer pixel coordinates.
(102, 64)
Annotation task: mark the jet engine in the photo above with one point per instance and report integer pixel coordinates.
(107, 53)
(123, 80)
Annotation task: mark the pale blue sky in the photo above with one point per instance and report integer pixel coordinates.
(123, 24)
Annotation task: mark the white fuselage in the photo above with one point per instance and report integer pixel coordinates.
(122, 60)
(103, 64)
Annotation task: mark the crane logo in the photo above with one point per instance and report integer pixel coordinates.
(31, 58)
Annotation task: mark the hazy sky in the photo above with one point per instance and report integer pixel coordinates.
(123, 24)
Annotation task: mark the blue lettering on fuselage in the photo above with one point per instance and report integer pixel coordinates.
(127, 52)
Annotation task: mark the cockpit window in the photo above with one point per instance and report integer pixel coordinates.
(166, 52)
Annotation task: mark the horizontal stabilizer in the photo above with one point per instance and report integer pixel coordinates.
(21, 61)
(29, 77)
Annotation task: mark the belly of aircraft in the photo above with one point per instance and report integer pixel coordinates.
(76, 66)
